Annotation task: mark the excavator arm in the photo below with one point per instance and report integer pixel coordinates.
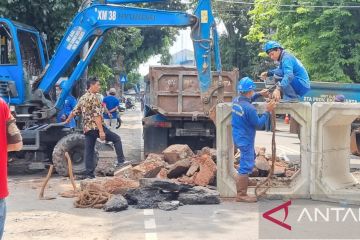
(94, 21)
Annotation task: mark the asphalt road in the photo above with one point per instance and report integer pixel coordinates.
(31, 218)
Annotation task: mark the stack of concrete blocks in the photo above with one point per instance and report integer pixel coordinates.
(331, 179)
(299, 186)
(325, 149)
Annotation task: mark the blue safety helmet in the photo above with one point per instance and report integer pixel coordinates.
(62, 84)
(271, 45)
(339, 98)
(246, 84)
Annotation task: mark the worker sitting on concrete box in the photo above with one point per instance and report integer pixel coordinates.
(294, 80)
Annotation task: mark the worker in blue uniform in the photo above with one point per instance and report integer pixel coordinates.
(111, 103)
(245, 120)
(69, 104)
(293, 81)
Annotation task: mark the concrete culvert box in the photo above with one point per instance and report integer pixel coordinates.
(297, 186)
(330, 175)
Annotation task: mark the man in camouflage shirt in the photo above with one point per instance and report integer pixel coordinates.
(91, 109)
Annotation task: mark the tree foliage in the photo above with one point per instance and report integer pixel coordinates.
(236, 51)
(326, 39)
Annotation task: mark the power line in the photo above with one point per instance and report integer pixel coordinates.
(291, 5)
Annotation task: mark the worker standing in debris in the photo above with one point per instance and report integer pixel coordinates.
(294, 80)
(69, 104)
(91, 109)
(111, 103)
(245, 120)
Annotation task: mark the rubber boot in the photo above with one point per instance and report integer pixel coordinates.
(242, 182)
(252, 182)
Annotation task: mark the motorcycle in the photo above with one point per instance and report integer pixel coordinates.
(129, 104)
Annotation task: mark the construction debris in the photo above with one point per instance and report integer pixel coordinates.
(199, 195)
(169, 206)
(115, 204)
(155, 183)
(106, 164)
(177, 152)
(179, 168)
(112, 185)
(263, 164)
(208, 151)
(155, 192)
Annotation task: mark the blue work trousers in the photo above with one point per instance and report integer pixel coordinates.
(247, 160)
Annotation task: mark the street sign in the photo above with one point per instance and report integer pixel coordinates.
(123, 78)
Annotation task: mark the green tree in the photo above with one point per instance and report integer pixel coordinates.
(236, 51)
(326, 39)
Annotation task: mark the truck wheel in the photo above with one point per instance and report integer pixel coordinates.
(74, 145)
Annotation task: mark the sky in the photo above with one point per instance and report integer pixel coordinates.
(183, 41)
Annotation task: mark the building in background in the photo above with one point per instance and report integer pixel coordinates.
(183, 57)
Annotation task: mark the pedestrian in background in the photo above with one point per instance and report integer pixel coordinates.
(112, 104)
(69, 104)
(90, 107)
(293, 81)
(244, 122)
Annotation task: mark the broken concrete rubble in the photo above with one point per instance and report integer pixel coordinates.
(155, 191)
(162, 174)
(262, 163)
(199, 195)
(113, 185)
(193, 168)
(207, 172)
(116, 203)
(167, 181)
(106, 164)
(209, 151)
(143, 198)
(166, 185)
(177, 152)
(148, 168)
(179, 168)
(169, 206)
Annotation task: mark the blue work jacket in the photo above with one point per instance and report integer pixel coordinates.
(245, 120)
(293, 73)
(111, 102)
(69, 104)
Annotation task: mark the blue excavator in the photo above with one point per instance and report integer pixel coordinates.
(28, 78)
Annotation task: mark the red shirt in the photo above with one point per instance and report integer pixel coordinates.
(4, 116)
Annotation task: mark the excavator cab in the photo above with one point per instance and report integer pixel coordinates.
(23, 56)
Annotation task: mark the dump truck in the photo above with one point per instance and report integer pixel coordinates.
(174, 112)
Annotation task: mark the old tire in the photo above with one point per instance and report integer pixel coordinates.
(73, 144)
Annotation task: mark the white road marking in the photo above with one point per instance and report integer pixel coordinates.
(148, 212)
(151, 236)
(150, 224)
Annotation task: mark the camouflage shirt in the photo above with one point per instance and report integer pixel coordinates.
(89, 106)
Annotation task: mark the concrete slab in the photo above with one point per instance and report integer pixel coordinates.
(299, 186)
(330, 143)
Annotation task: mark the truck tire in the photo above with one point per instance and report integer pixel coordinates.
(74, 145)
